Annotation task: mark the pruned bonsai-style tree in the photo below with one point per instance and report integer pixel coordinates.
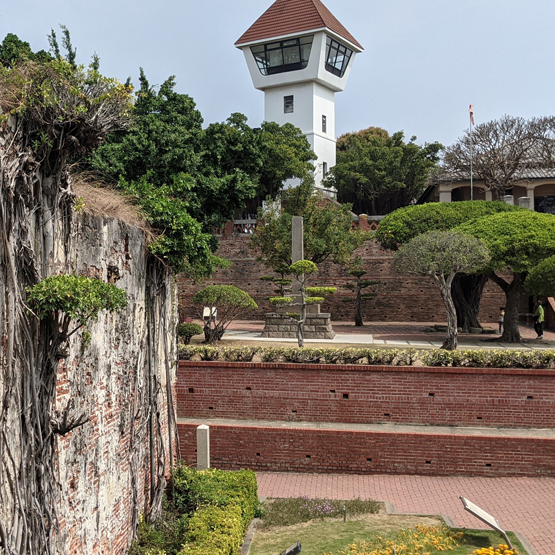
(357, 272)
(228, 301)
(301, 271)
(399, 227)
(441, 255)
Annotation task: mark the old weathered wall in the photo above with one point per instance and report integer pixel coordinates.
(102, 468)
(104, 465)
(399, 298)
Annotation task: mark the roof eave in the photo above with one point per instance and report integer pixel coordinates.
(335, 35)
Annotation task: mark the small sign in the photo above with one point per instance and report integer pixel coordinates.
(488, 519)
(293, 549)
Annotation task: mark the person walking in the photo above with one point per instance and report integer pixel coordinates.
(539, 317)
(501, 319)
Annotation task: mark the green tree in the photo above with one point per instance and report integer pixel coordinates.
(441, 255)
(377, 172)
(357, 287)
(399, 227)
(328, 230)
(301, 272)
(541, 279)
(14, 50)
(229, 302)
(517, 241)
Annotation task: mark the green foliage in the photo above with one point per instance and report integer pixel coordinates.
(303, 267)
(399, 227)
(189, 180)
(541, 279)
(214, 530)
(208, 514)
(295, 510)
(281, 300)
(187, 330)
(229, 301)
(224, 297)
(314, 300)
(441, 253)
(66, 111)
(519, 240)
(194, 489)
(181, 242)
(469, 358)
(321, 291)
(13, 51)
(74, 297)
(378, 173)
(327, 227)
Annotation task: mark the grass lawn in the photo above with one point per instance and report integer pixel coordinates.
(332, 535)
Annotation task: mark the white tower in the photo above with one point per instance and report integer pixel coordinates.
(300, 56)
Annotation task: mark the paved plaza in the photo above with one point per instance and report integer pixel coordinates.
(523, 505)
(394, 334)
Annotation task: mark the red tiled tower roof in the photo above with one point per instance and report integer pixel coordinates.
(287, 17)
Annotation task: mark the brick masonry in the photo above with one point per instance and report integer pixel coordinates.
(293, 394)
(399, 298)
(514, 398)
(325, 451)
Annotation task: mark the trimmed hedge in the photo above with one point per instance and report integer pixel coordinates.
(208, 514)
(469, 358)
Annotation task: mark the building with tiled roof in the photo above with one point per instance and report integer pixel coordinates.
(300, 55)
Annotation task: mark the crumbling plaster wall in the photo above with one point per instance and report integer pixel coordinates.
(104, 465)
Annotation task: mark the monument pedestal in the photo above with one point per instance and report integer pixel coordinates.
(317, 326)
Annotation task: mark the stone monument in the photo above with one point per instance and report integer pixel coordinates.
(317, 325)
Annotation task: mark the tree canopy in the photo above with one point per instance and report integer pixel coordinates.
(441, 255)
(377, 172)
(399, 227)
(503, 152)
(189, 180)
(328, 231)
(541, 279)
(518, 241)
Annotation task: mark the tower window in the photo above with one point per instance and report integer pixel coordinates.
(337, 57)
(324, 124)
(288, 104)
(324, 168)
(283, 56)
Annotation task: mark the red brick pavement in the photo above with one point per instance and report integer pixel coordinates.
(525, 505)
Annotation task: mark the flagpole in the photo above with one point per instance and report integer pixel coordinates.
(471, 157)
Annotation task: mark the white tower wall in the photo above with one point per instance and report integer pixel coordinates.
(312, 90)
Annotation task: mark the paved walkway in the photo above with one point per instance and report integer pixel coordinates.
(397, 334)
(524, 505)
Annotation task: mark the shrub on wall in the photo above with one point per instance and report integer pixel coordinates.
(470, 358)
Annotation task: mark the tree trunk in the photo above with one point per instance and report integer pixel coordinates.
(451, 339)
(213, 334)
(511, 332)
(466, 292)
(358, 308)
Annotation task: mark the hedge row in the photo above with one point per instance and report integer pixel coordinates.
(208, 514)
(473, 358)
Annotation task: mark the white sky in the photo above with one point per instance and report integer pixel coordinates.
(424, 62)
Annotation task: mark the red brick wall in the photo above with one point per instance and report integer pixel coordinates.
(301, 450)
(400, 298)
(515, 398)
